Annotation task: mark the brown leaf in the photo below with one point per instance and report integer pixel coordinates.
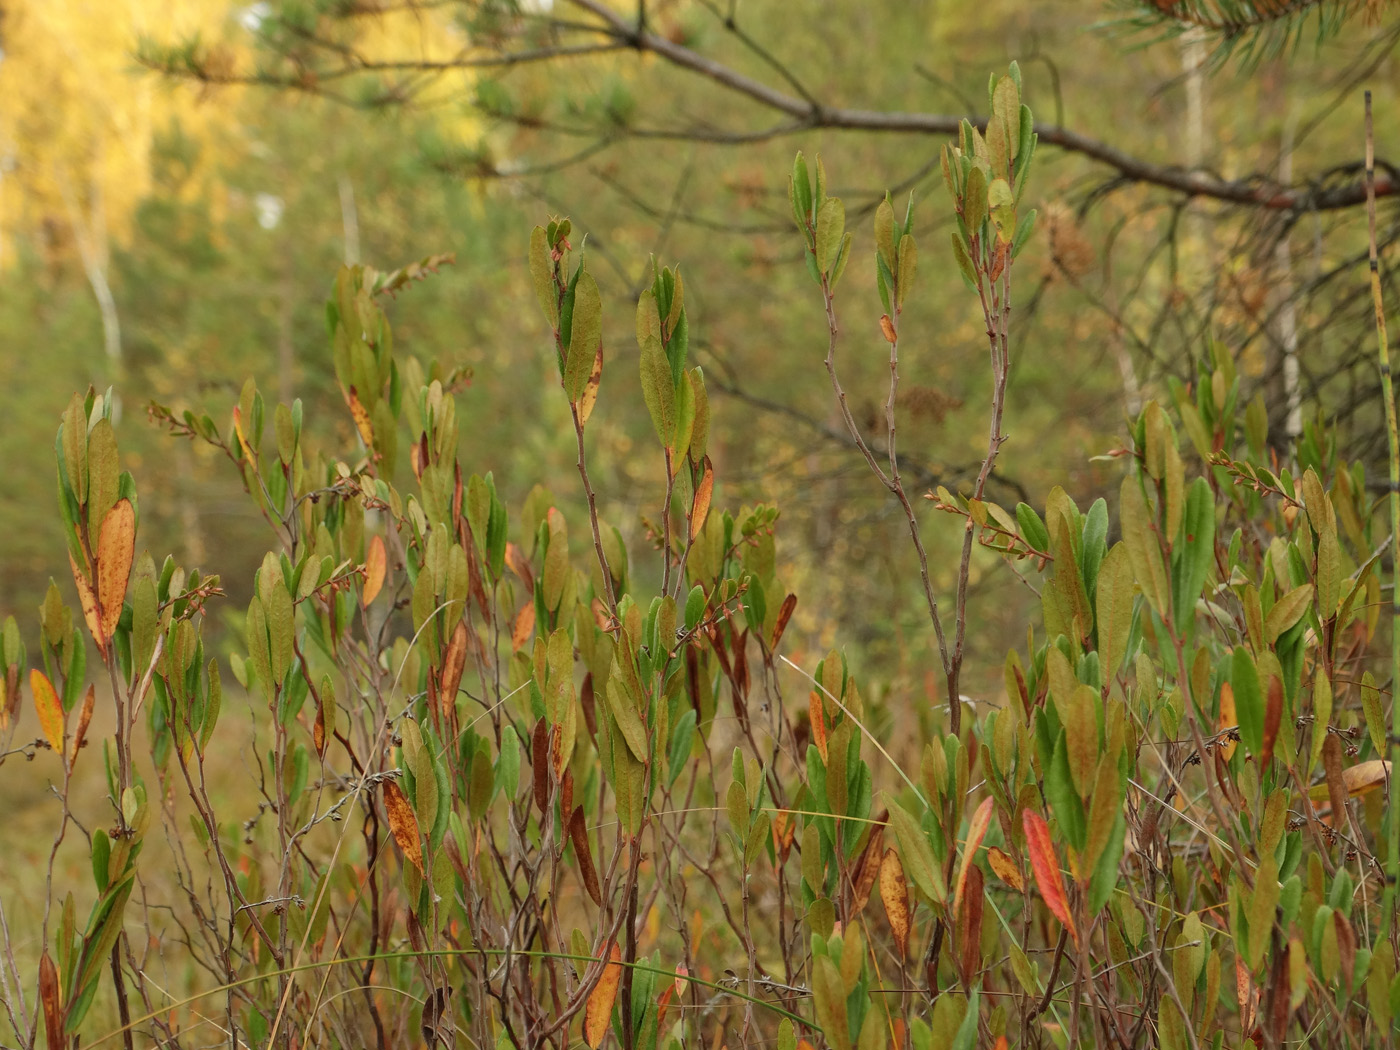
(578, 835)
(600, 1001)
(1336, 785)
(50, 711)
(523, 627)
(403, 823)
(9, 702)
(518, 564)
(1005, 869)
(48, 995)
(1046, 867)
(1346, 947)
(84, 717)
(784, 615)
(88, 599)
(539, 763)
(894, 894)
(115, 550)
(454, 659)
(434, 1011)
(586, 701)
(1273, 715)
(376, 565)
(700, 508)
(867, 868)
(970, 928)
(818, 717)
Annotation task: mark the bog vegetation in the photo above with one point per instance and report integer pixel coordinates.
(516, 788)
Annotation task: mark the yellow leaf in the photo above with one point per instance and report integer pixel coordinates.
(49, 709)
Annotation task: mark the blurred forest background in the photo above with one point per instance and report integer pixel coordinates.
(179, 181)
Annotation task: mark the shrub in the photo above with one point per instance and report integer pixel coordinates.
(500, 800)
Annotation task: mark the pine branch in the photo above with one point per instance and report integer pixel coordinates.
(1252, 30)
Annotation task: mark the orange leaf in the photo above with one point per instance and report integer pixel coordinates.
(1046, 866)
(48, 995)
(818, 717)
(517, 564)
(376, 565)
(981, 820)
(887, 329)
(1228, 719)
(663, 1002)
(84, 717)
(115, 549)
(682, 981)
(894, 893)
(524, 627)
(600, 1002)
(49, 709)
(89, 602)
(454, 659)
(1005, 869)
(403, 823)
(700, 508)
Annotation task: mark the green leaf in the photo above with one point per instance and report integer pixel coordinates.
(1144, 552)
(1249, 700)
(831, 229)
(908, 267)
(1197, 552)
(658, 390)
(624, 710)
(542, 275)
(1375, 717)
(584, 335)
(1064, 798)
(964, 260)
(1114, 608)
(884, 233)
(975, 201)
(1287, 611)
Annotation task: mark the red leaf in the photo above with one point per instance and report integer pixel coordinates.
(970, 929)
(1046, 866)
